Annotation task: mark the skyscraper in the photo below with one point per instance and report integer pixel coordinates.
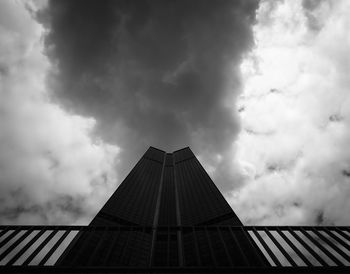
(167, 212)
(167, 216)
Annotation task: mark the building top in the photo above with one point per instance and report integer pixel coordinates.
(167, 189)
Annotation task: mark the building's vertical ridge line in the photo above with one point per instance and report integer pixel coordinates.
(178, 216)
(177, 201)
(156, 214)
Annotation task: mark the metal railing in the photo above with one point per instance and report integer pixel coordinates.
(303, 245)
(37, 248)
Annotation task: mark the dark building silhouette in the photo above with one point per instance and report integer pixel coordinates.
(165, 213)
(167, 189)
(167, 216)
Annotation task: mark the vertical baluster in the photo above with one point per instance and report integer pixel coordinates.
(10, 237)
(267, 248)
(338, 239)
(15, 244)
(25, 248)
(307, 247)
(239, 248)
(280, 247)
(40, 247)
(321, 247)
(296, 250)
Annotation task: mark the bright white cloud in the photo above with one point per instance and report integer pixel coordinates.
(51, 169)
(293, 149)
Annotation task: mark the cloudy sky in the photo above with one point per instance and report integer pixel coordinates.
(258, 89)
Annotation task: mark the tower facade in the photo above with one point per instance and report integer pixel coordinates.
(167, 212)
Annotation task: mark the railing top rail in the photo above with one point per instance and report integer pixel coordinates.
(56, 269)
(248, 227)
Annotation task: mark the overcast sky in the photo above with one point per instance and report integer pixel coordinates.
(258, 90)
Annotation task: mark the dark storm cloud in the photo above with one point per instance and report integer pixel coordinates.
(310, 10)
(161, 73)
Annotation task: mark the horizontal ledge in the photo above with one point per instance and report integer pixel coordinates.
(92, 227)
(60, 269)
